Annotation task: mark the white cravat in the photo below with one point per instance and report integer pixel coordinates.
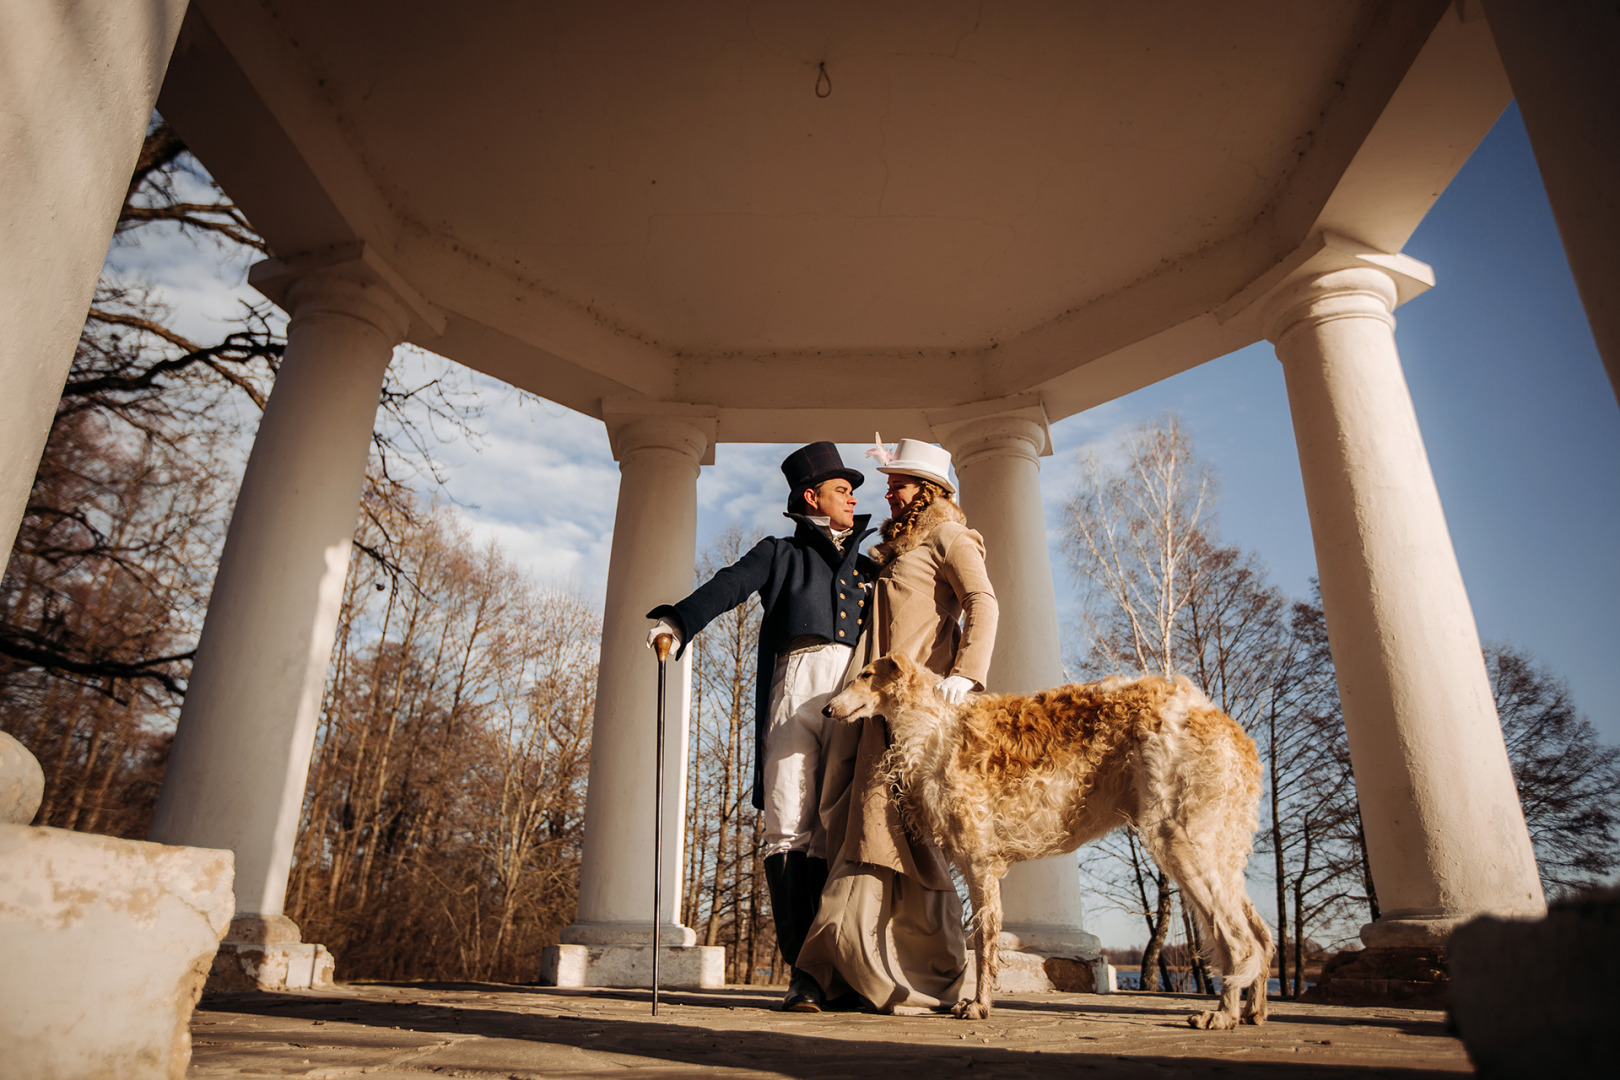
(838, 537)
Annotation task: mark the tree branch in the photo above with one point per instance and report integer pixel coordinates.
(52, 660)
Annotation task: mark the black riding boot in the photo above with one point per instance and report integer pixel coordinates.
(795, 882)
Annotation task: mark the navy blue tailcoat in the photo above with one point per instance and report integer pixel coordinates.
(807, 589)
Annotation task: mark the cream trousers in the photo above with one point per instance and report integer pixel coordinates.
(795, 745)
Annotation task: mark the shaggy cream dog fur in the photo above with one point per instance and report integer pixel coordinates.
(1009, 777)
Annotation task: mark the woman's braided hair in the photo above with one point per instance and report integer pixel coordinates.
(928, 492)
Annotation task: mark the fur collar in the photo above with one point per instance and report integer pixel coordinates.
(938, 513)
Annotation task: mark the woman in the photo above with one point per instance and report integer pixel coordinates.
(890, 924)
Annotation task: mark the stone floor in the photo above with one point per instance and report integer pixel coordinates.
(413, 1031)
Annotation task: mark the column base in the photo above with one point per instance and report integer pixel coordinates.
(626, 933)
(1411, 977)
(680, 967)
(264, 952)
(1411, 931)
(619, 955)
(1040, 959)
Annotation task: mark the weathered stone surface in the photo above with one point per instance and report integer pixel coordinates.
(405, 1031)
(1540, 997)
(1026, 971)
(691, 967)
(106, 945)
(22, 782)
(263, 928)
(1071, 974)
(1021, 973)
(1374, 976)
(289, 965)
(267, 952)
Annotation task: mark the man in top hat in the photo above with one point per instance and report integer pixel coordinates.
(814, 588)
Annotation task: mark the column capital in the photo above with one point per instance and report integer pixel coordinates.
(1309, 300)
(1348, 277)
(636, 425)
(352, 280)
(1017, 426)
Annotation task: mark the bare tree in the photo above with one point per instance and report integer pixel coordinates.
(446, 799)
(1233, 631)
(1133, 531)
(1165, 595)
(1568, 781)
(544, 695)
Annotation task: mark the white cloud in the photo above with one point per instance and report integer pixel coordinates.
(541, 480)
(192, 277)
(560, 554)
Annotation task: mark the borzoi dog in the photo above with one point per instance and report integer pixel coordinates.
(1008, 777)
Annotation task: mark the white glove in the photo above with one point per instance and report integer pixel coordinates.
(662, 627)
(954, 688)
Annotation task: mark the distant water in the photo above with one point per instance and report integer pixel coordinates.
(1132, 980)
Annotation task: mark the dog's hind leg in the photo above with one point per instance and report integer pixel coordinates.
(1233, 952)
(1255, 1013)
(1216, 896)
(984, 889)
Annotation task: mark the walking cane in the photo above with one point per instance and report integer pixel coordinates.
(662, 644)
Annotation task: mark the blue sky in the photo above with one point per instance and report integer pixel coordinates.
(1519, 419)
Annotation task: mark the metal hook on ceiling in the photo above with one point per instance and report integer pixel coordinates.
(823, 81)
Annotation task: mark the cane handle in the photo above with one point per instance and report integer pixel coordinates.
(662, 644)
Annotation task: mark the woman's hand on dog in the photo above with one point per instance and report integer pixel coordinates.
(954, 689)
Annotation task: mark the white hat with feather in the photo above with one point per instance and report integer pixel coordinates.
(914, 457)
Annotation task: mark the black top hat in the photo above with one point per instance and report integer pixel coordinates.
(816, 464)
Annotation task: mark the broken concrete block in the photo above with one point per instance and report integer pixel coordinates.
(295, 965)
(267, 952)
(106, 945)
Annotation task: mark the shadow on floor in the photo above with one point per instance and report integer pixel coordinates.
(1328, 1015)
(794, 1054)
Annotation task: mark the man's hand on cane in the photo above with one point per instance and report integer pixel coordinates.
(661, 629)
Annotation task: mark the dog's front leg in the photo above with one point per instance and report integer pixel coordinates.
(984, 889)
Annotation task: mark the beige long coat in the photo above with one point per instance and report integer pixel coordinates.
(890, 924)
(926, 580)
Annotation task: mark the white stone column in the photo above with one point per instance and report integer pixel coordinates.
(77, 85)
(1445, 834)
(1563, 62)
(997, 461)
(241, 753)
(651, 563)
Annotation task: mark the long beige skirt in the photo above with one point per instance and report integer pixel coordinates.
(890, 924)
